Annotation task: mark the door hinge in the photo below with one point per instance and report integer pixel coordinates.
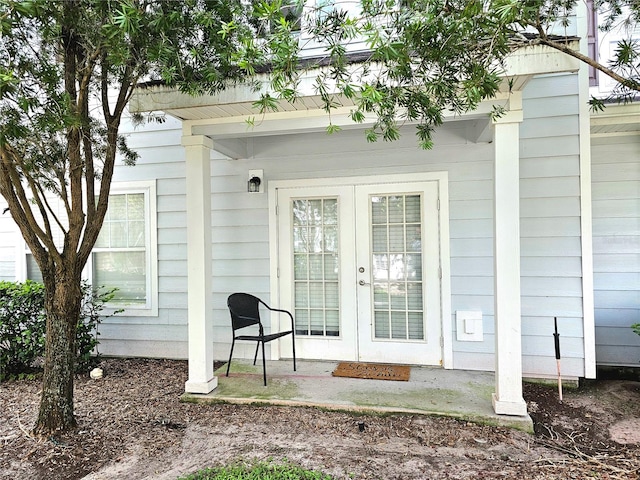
(278, 272)
(438, 204)
(277, 210)
(440, 273)
(442, 342)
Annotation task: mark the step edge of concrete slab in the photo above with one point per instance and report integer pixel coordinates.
(523, 423)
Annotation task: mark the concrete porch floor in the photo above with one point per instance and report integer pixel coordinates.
(429, 391)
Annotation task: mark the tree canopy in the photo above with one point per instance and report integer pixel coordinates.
(548, 19)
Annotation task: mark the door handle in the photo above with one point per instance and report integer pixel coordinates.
(362, 282)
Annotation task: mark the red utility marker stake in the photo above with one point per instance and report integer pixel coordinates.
(556, 338)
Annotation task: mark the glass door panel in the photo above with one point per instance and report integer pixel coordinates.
(316, 260)
(396, 262)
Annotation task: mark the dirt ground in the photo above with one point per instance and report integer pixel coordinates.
(132, 425)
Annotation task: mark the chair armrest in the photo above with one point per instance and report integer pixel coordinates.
(293, 327)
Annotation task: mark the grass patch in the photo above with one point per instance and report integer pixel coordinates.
(257, 471)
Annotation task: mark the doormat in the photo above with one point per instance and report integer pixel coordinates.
(372, 371)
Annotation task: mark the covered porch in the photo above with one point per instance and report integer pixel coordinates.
(429, 391)
(219, 124)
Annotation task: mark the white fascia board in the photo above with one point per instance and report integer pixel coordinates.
(616, 115)
(540, 60)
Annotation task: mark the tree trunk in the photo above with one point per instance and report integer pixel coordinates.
(62, 305)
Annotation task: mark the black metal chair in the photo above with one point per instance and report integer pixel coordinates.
(245, 312)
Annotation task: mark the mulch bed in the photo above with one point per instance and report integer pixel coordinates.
(133, 425)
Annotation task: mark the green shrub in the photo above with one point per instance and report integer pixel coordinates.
(636, 328)
(23, 326)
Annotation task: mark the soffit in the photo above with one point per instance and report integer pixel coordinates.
(616, 120)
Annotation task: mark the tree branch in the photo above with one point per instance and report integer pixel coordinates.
(591, 62)
(11, 189)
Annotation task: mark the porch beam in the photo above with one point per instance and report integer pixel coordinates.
(507, 399)
(312, 120)
(199, 281)
(234, 148)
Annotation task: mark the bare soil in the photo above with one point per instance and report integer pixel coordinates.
(132, 425)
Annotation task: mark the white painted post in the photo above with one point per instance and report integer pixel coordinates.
(507, 399)
(199, 282)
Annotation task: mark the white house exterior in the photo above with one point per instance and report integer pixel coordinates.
(459, 257)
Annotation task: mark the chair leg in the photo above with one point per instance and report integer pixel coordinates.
(233, 342)
(293, 342)
(255, 357)
(264, 366)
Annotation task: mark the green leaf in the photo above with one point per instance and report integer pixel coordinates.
(332, 128)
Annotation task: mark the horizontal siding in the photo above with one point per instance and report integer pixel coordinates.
(532, 366)
(144, 348)
(161, 158)
(624, 211)
(548, 167)
(616, 248)
(550, 247)
(7, 268)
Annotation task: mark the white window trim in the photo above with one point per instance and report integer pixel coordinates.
(148, 188)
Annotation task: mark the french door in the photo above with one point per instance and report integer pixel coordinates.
(359, 267)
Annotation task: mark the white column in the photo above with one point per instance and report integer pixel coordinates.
(507, 399)
(200, 316)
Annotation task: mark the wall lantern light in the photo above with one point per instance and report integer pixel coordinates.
(254, 184)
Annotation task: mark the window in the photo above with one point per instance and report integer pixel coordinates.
(592, 40)
(124, 256)
(396, 234)
(315, 258)
(125, 253)
(33, 270)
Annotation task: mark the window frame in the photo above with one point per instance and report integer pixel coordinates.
(150, 308)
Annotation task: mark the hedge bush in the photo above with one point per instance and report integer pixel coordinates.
(23, 327)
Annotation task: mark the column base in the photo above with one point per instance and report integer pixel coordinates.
(501, 407)
(204, 388)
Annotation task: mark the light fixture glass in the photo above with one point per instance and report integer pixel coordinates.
(253, 185)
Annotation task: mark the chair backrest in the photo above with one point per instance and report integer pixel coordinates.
(244, 310)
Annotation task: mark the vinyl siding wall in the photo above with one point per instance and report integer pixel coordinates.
(616, 248)
(161, 158)
(550, 239)
(550, 226)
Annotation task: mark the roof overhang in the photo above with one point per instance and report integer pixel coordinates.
(223, 116)
(616, 120)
